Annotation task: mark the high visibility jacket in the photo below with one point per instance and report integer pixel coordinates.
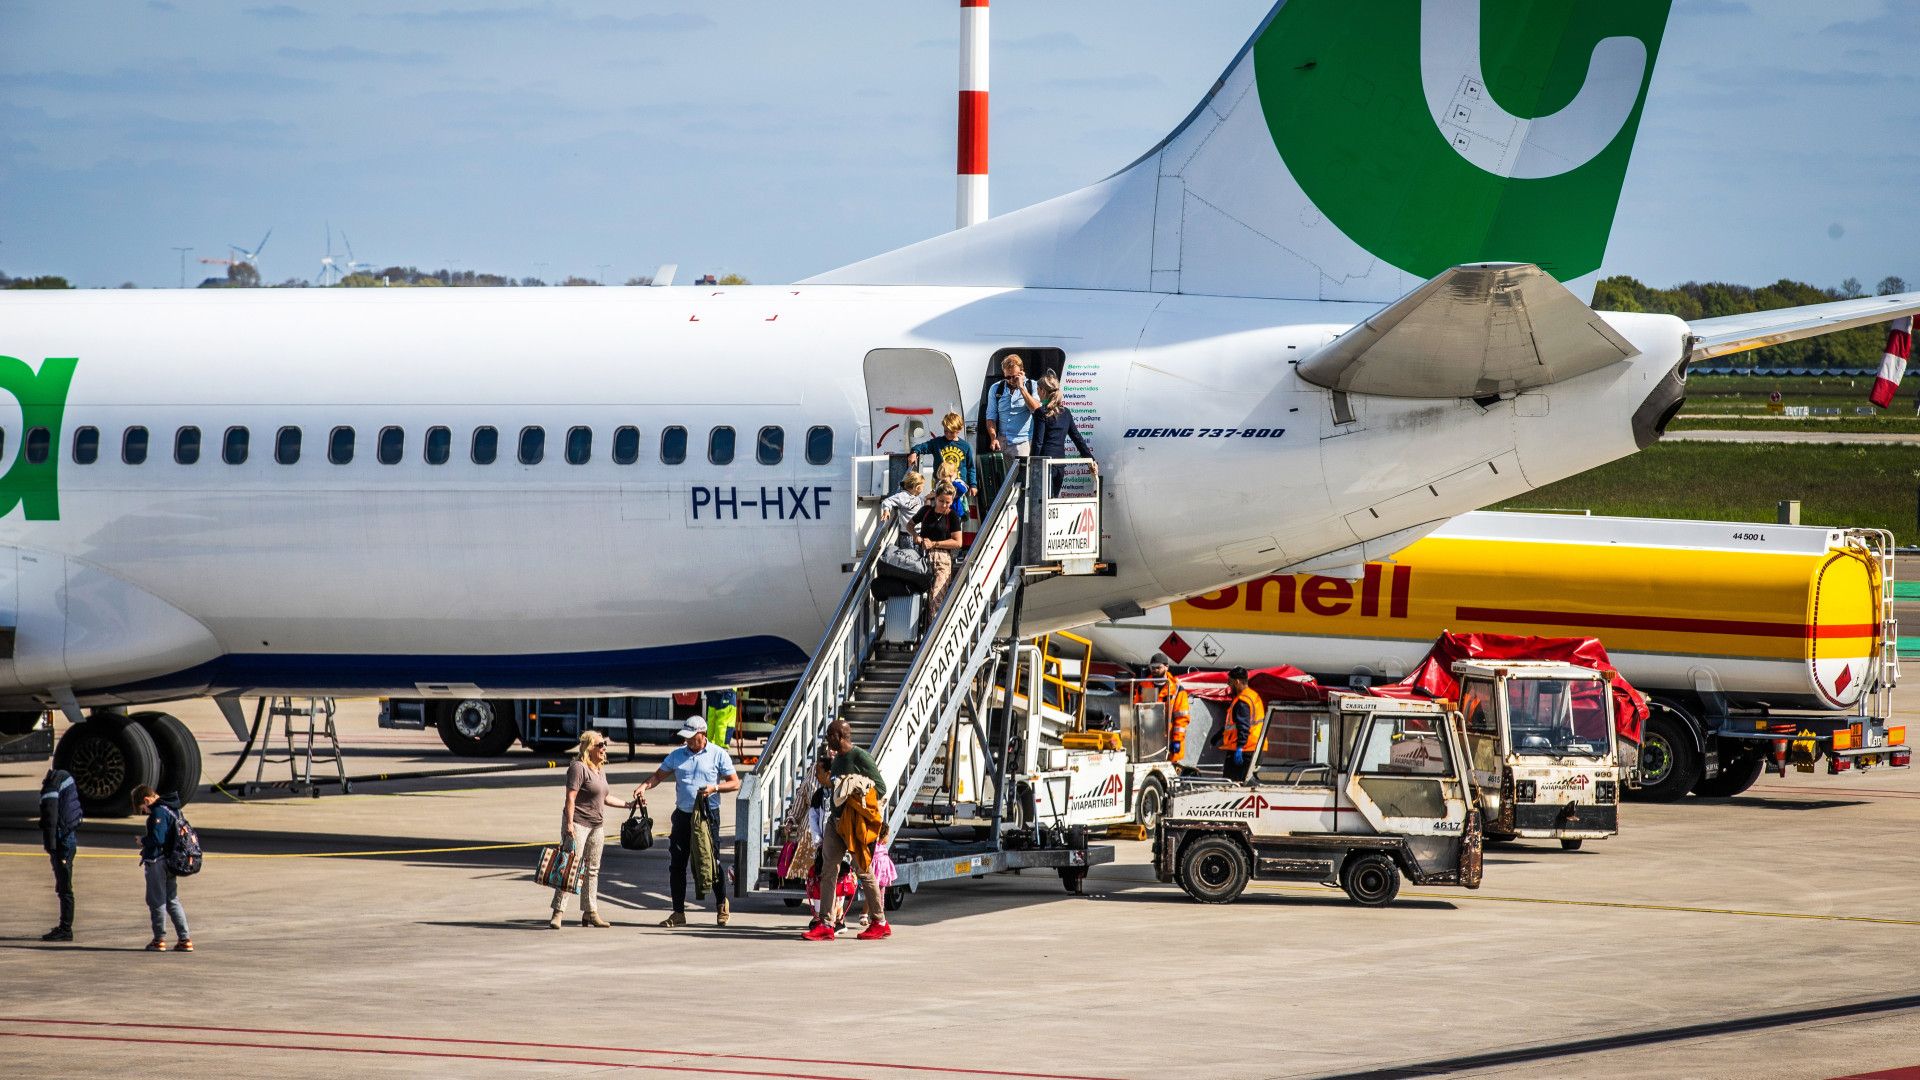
(1179, 709)
(722, 714)
(1257, 714)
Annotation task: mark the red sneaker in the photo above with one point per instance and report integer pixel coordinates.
(819, 932)
(876, 931)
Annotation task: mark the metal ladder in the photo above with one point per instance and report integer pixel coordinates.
(313, 721)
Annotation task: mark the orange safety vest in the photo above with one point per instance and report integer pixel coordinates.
(1179, 709)
(1230, 736)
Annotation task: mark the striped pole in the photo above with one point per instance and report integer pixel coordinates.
(972, 201)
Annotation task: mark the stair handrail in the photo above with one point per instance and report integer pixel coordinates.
(766, 791)
(959, 641)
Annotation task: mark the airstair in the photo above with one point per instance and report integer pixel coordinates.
(907, 702)
(308, 719)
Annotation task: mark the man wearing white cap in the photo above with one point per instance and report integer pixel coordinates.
(700, 772)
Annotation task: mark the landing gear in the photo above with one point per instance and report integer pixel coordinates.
(108, 755)
(476, 727)
(179, 754)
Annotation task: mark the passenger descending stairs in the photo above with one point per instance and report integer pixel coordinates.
(901, 700)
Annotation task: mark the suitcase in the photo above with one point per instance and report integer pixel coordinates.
(902, 625)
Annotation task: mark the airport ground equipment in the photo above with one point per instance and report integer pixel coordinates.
(307, 726)
(1543, 749)
(1355, 792)
(1761, 647)
(905, 702)
(1084, 757)
(488, 727)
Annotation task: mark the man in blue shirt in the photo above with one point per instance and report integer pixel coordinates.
(700, 772)
(1010, 406)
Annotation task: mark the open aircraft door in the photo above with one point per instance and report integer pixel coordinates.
(1409, 777)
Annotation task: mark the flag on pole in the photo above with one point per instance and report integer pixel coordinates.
(1894, 364)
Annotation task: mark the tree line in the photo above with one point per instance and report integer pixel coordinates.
(1857, 348)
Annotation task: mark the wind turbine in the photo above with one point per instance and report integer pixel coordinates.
(252, 256)
(352, 265)
(330, 271)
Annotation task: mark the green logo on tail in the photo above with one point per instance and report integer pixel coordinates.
(1449, 131)
(43, 402)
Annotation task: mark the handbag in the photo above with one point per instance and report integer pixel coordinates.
(559, 868)
(636, 833)
(908, 565)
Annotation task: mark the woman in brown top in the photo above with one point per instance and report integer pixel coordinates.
(583, 825)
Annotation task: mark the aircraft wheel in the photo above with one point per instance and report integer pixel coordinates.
(1371, 879)
(108, 756)
(476, 727)
(1215, 869)
(1736, 776)
(1153, 804)
(1669, 764)
(179, 754)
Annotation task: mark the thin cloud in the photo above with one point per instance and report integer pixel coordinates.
(279, 13)
(352, 54)
(181, 78)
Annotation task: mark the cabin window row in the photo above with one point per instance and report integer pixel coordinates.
(390, 444)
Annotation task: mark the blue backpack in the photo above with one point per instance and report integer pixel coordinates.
(183, 855)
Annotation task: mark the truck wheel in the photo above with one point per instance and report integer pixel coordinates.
(1569, 845)
(179, 754)
(1736, 776)
(108, 756)
(1153, 804)
(1370, 879)
(476, 727)
(1074, 879)
(1215, 869)
(1669, 764)
(895, 897)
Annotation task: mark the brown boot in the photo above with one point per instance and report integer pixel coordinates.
(592, 918)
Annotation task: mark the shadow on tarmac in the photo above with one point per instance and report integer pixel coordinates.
(1763, 803)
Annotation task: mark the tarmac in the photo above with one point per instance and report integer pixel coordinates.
(1827, 438)
(395, 931)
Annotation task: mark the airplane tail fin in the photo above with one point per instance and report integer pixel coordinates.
(1350, 152)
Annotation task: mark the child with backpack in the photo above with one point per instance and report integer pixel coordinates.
(168, 850)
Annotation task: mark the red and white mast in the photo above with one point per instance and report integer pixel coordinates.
(972, 169)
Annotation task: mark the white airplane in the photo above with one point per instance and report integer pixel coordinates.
(1322, 316)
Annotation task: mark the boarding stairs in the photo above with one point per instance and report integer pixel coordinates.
(906, 701)
(308, 728)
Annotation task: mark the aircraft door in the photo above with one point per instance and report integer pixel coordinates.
(908, 391)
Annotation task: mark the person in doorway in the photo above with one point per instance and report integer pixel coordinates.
(1010, 406)
(723, 717)
(851, 761)
(1240, 728)
(937, 526)
(700, 771)
(583, 825)
(1162, 689)
(1053, 425)
(949, 474)
(163, 889)
(951, 448)
(60, 817)
(900, 507)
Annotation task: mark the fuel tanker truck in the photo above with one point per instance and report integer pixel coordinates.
(1758, 646)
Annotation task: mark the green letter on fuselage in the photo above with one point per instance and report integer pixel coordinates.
(43, 401)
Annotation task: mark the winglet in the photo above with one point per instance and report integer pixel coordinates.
(1485, 328)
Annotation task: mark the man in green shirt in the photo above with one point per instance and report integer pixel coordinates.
(849, 760)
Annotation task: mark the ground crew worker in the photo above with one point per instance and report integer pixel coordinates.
(1163, 689)
(723, 713)
(1241, 728)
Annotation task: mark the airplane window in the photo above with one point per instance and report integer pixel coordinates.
(133, 446)
(533, 444)
(673, 445)
(86, 445)
(486, 445)
(771, 446)
(234, 450)
(38, 444)
(626, 445)
(439, 445)
(720, 445)
(286, 446)
(186, 445)
(392, 443)
(819, 445)
(340, 446)
(579, 445)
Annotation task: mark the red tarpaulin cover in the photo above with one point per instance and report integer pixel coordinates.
(1433, 676)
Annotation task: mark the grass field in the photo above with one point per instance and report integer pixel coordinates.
(1724, 402)
(1862, 486)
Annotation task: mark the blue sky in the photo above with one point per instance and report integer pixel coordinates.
(778, 139)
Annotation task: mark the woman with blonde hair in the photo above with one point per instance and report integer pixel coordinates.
(583, 825)
(1053, 425)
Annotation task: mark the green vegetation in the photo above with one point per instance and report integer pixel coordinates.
(1858, 348)
(1739, 403)
(44, 281)
(1863, 486)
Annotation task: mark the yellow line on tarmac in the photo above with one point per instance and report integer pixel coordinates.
(1465, 895)
(302, 854)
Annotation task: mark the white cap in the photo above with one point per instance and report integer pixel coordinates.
(693, 726)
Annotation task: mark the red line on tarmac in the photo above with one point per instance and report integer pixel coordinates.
(1911, 1072)
(553, 1046)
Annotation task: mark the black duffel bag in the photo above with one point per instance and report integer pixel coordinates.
(636, 833)
(907, 565)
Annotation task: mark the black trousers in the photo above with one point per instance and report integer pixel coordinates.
(62, 857)
(1236, 773)
(680, 856)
